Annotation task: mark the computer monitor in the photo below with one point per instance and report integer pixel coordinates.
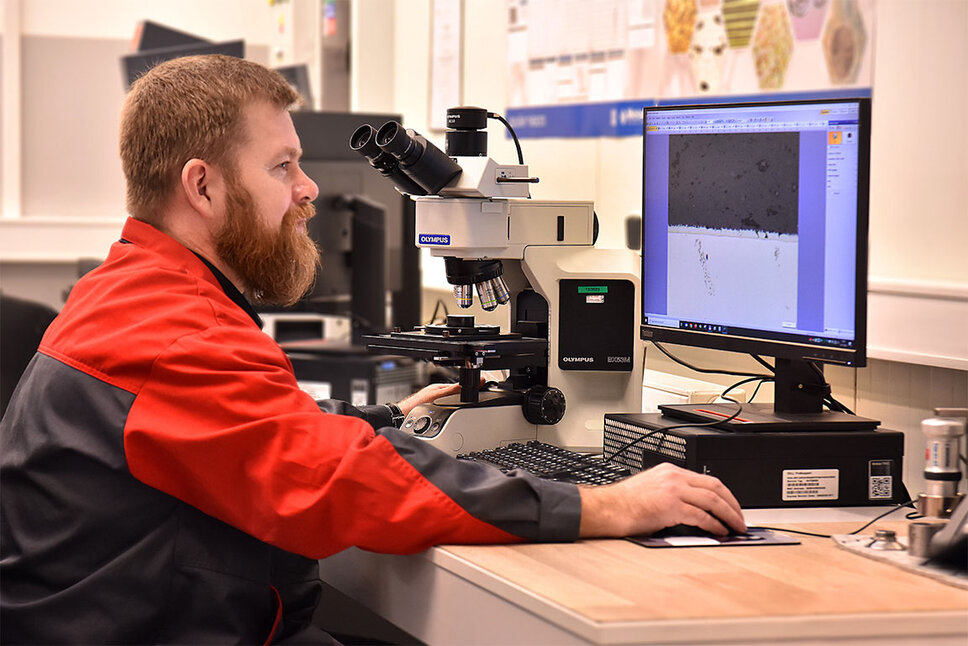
(754, 240)
(135, 65)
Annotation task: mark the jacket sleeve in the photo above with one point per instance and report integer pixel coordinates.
(376, 416)
(221, 424)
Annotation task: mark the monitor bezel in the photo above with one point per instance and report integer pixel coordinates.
(856, 356)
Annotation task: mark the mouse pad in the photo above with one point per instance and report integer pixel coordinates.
(754, 536)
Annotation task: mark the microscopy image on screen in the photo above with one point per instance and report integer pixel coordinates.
(733, 235)
(737, 181)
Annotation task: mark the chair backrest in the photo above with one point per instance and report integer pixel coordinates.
(22, 325)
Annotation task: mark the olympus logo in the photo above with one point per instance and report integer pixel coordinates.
(620, 359)
(434, 238)
(578, 359)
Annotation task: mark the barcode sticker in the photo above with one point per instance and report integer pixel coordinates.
(881, 488)
(811, 484)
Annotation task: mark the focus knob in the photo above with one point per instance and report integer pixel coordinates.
(544, 405)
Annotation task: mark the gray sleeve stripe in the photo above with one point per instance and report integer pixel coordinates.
(517, 502)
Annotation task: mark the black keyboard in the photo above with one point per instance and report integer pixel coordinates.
(551, 462)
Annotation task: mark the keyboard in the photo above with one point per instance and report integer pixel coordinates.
(551, 463)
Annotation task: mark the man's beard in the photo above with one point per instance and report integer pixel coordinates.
(276, 267)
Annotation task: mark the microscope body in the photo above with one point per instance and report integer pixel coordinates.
(570, 343)
(581, 299)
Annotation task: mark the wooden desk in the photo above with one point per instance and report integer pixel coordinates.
(616, 592)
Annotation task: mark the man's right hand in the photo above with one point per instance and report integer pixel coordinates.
(660, 497)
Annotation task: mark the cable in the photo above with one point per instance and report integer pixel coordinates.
(628, 445)
(763, 361)
(707, 370)
(756, 390)
(440, 304)
(909, 503)
(514, 136)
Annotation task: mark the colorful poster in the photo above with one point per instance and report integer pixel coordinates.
(585, 68)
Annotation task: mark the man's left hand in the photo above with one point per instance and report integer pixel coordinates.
(426, 395)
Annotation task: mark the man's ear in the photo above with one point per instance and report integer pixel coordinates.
(201, 184)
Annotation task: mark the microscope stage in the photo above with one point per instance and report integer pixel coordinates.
(496, 351)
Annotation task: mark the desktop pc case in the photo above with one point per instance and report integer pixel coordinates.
(351, 374)
(772, 469)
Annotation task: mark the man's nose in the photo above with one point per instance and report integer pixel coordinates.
(306, 189)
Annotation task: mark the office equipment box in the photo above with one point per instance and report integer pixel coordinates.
(768, 469)
(351, 373)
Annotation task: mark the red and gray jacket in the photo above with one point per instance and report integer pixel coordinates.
(164, 479)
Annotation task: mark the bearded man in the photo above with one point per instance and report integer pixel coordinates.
(164, 478)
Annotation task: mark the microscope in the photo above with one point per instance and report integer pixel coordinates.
(569, 345)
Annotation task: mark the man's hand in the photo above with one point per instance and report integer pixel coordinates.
(426, 395)
(662, 496)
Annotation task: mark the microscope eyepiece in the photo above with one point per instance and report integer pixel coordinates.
(364, 141)
(425, 163)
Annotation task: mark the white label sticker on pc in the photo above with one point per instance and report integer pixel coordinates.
(359, 391)
(317, 389)
(811, 484)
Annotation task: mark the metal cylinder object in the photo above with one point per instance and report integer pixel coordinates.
(942, 446)
(919, 537)
(486, 295)
(464, 294)
(501, 292)
(942, 473)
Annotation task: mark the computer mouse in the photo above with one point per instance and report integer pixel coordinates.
(689, 530)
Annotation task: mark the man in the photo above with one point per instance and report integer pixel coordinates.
(165, 479)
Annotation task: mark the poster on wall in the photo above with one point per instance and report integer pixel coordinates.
(586, 68)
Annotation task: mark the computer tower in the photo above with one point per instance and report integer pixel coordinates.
(351, 374)
(768, 469)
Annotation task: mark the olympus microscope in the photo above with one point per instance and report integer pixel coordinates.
(570, 346)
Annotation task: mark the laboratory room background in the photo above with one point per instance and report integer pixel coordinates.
(569, 95)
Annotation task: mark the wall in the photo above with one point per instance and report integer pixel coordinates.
(63, 197)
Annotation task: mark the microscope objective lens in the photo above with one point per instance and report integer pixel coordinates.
(464, 295)
(500, 290)
(485, 292)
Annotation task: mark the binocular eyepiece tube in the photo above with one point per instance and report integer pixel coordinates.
(363, 141)
(415, 165)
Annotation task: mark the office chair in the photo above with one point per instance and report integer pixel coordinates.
(22, 325)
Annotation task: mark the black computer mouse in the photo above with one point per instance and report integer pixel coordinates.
(689, 530)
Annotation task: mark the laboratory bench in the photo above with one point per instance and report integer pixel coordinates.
(617, 592)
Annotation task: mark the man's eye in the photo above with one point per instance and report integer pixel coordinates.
(284, 165)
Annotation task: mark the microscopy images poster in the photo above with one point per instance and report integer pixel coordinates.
(586, 67)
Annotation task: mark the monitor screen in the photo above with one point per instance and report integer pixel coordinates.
(754, 227)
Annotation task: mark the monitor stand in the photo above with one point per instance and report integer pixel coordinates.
(799, 399)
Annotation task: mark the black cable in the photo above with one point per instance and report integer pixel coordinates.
(763, 361)
(437, 306)
(756, 390)
(681, 362)
(514, 136)
(856, 531)
(628, 445)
